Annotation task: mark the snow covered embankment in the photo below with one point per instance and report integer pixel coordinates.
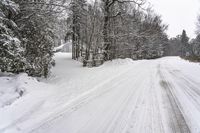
(13, 87)
(20, 96)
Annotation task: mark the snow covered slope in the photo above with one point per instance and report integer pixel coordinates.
(122, 96)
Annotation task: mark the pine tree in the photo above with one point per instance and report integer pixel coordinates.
(37, 22)
(185, 44)
(11, 52)
(196, 46)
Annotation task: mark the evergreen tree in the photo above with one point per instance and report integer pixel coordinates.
(185, 44)
(196, 46)
(175, 46)
(37, 23)
(11, 52)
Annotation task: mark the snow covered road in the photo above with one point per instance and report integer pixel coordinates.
(123, 96)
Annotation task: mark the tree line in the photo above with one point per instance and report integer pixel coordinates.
(110, 29)
(101, 30)
(183, 46)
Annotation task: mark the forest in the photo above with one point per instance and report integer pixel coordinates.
(98, 31)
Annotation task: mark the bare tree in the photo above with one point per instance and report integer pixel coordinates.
(108, 15)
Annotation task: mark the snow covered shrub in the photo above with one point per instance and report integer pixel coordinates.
(11, 59)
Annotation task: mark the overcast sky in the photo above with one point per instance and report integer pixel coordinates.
(178, 14)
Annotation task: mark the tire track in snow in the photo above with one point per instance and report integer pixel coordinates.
(88, 96)
(125, 101)
(147, 116)
(121, 121)
(71, 105)
(176, 119)
(189, 87)
(188, 95)
(129, 112)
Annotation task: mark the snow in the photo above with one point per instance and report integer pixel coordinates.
(121, 96)
(59, 48)
(13, 87)
(64, 47)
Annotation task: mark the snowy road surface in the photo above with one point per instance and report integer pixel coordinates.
(122, 96)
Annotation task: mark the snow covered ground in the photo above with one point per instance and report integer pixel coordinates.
(121, 96)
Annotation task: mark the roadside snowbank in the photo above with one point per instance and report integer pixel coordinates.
(13, 87)
(119, 62)
(20, 96)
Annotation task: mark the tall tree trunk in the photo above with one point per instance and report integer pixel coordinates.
(73, 34)
(106, 31)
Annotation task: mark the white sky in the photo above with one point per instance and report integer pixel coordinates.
(178, 14)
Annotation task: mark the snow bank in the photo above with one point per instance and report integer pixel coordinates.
(59, 48)
(119, 62)
(13, 87)
(21, 96)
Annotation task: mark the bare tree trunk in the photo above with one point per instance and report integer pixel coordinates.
(106, 31)
(73, 34)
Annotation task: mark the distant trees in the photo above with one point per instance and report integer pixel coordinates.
(174, 46)
(180, 45)
(195, 43)
(196, 46)
(185, 49)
